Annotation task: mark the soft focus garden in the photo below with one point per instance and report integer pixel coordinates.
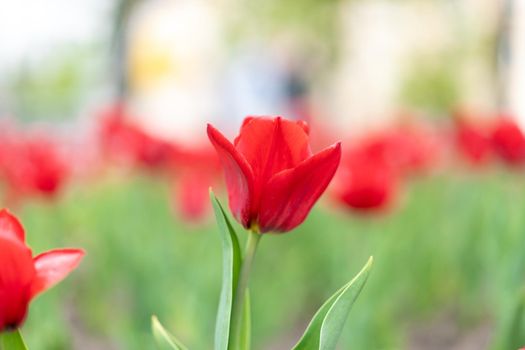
(282, 217)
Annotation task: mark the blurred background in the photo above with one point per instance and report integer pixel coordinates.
(103, 108)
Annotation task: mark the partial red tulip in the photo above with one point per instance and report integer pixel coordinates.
(273, 179)
(197, 169)
(364, 183)
(509, 142)
(22, 276)
(191, 196)
(407, 148)
(125, 141)
(472, 142)
(32, 166)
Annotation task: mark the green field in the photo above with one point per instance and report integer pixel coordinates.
(449, 254)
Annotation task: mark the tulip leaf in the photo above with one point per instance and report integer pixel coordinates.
(511, 335)
(326, 326)
(231, 264)
(12, 341)
(164, 339)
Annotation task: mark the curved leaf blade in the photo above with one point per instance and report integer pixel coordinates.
(326, 326)
(511, 334)
(231, 265)
(12, 341)
(164, 339)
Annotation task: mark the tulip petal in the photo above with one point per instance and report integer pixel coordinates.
(271, 145)
(16, 275)
(53, 266)
(290, 194)
(10, 226)
(239, 176)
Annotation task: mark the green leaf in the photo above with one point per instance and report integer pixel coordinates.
(164, 339)
(12, 341)
(326, 326)
(245, 337)
(231, 265)
(511, 334)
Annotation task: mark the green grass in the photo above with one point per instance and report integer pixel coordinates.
(453, 243)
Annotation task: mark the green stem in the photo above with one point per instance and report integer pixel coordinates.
(12, 341)
(240, 292)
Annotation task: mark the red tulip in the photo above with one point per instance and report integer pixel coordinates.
(33, 166)
(125, 141)
(22, 276)
(191, 196)
(273, 179)
(197, 169)
(472, 142)
(407, 148)
(509, 142)
(364, 183)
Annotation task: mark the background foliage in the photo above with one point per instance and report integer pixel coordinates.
(451, 252)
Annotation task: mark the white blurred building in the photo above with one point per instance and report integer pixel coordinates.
(515, 74)
(175, 54)
(183, 71)
(383, 40)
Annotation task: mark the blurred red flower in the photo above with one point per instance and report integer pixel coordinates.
(273, 179)
(364, 183)
(197, 169)
(124, 141)
(191, 196)
(508, 141)
(22, 276)
(373, 166)
(407, 148)
(472, 141)
(32, 165)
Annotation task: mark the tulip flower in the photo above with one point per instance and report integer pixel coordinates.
(197, 169)
(22, 276)
(191, 196)
(364, 183)
(472, 142)
(127, 142)
(33, 166)
(407, 148)
(273, 179)
(508, 141)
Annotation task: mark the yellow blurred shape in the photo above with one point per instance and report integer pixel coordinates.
(149, 62)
